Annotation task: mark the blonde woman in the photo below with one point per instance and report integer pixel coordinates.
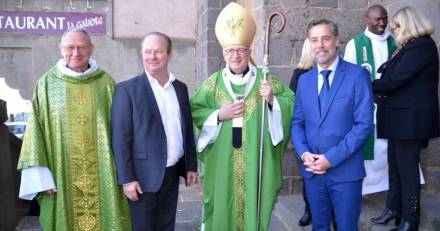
(408, 113)
(306, 62)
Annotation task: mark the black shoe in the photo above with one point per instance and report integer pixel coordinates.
(406, 226)
(335, 227)
(306, 218)
(385, 217)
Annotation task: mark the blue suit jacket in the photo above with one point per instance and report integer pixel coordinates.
(138, 136)
(342, 130)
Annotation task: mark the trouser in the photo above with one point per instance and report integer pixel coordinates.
(327, 197)
(404, 178)
(157, 211)
(307, 206)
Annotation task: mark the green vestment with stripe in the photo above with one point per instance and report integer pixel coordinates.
(365, 57)
(69, 133)
(230, 175)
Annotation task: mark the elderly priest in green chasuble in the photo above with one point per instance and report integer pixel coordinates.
(66, 157)
(227, 110)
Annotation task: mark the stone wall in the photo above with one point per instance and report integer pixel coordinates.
(138, 17)
(209, 56)
(285, 50)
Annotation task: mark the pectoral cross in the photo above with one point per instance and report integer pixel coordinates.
(237, 125)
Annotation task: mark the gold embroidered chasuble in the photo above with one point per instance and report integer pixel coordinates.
(230, 175)
(69, 133)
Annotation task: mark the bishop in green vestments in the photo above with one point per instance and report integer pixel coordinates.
(227, 110)
(66, 157)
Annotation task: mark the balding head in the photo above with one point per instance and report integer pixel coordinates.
(79, 30)
(376, 19)
(375, 8)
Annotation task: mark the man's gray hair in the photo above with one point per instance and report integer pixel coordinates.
(79, 30)
(324, 21)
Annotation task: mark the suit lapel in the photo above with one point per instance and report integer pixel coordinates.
(336, 83)
(148, 95)
(181, 98)
(313, 91)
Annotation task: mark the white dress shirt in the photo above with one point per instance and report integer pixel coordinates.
(169, 109)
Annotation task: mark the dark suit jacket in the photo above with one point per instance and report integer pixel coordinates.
(138, 135)
(408, 106)
(345, 124)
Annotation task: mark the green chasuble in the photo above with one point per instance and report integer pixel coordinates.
(69, 133)
(230, 175)
(365, 58)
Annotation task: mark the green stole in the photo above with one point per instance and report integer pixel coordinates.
(365, 58)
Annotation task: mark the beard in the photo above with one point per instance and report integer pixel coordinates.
(327, 57)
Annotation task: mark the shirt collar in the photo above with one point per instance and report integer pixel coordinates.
(332, 67)
(151, 79)
(380, 37)
(240, 79)
(62, 66)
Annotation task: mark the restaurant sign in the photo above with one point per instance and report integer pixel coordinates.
(22, 22)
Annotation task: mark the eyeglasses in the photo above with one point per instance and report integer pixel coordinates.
(239, 51)
(70, 49)
(156, 52)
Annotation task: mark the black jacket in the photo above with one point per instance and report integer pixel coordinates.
(407, 93)
(297, 72)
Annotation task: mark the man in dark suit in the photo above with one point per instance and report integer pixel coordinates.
(153, 138)
(333, 118)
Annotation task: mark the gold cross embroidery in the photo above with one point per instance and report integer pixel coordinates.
(83, 182)
(82, 142)
(83, 161)
(234, 24)
(82, 119)
(86, 202)
(87, 222)
(81, 99)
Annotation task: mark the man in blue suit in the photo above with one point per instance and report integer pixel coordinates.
(153, 138)
(332, 120)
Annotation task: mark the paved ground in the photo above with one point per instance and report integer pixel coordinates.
(285, 216)
(189, 211)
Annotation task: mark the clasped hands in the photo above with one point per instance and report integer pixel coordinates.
(230, 111)
(315, 163)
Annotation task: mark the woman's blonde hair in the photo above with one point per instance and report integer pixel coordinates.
(412, 24)
(307, 60)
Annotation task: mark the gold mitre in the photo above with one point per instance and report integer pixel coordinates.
(235, 26)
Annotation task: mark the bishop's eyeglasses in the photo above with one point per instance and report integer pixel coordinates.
(238, 51)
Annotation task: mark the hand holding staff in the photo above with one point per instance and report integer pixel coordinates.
(263, 113)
